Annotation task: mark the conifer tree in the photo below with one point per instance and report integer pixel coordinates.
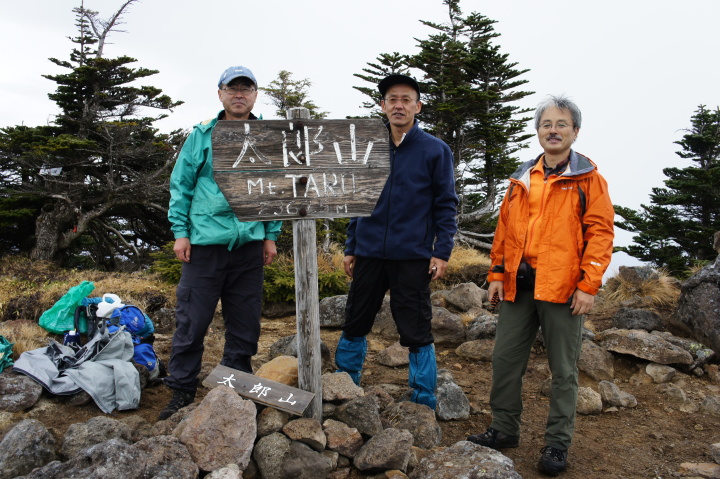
(100, 169)
(286, 93)
(469, 90)
(676, 230)
(387, 64)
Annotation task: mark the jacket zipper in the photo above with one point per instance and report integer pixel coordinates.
(531, 232)
(387, 215)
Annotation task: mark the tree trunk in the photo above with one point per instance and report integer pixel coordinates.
(48, 227)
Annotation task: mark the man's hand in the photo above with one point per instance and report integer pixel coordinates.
(269, 252)
(582, 302)
(496, 287)
(437, 268)
(349, 264)
(182, 249)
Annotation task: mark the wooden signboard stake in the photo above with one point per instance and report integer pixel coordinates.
(307, 308)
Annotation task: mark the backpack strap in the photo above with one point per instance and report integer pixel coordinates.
(583, 207)
(583, 201)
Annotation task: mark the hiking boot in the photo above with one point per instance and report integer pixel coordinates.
(553, 461)
(495, 439)
(180, 399)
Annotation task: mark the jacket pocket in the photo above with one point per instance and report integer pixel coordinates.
(210, 206)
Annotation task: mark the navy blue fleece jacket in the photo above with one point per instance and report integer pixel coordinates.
(415, 215)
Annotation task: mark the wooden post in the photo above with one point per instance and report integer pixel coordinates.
(307, 308)
(302, 170)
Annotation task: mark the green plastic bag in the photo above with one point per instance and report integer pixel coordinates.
(61, 317)
(6, 353)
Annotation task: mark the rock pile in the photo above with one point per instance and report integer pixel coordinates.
(373, 430)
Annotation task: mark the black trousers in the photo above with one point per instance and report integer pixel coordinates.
(409, 285)
(233, 277)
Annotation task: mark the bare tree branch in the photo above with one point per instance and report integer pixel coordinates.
(121, 238)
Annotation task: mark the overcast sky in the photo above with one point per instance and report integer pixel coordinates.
(638, 69)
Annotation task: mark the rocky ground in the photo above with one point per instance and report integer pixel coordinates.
(656, 439)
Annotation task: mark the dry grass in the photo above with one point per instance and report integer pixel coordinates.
(660, 291)
(332, 260)
(28, 288)
(327, 262)
(466, 265)
(26, 336)
(468, 318)
(695, 268)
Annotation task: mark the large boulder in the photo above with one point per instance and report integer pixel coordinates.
(167, 457)
(113, 459)
(18, 392)
(447, 328)
(332, 311)
(699, 305)
(26, 446)
(418, 419)
(451, 400)
(631, 318)
(465, 459)
(389, 450)
(596, 362)
(220, 431)
(466, 296)
(641, 344)
(384, 324)
(96, 430)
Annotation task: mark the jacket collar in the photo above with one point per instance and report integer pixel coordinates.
(412, 133)
(579, 165)
(211, 122)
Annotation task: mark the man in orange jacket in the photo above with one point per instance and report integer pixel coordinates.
(552, 245)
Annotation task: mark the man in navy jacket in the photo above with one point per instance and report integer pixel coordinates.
(404, 244)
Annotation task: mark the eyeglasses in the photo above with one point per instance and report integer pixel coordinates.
(234, 90)
(405, 101)
(561, 125)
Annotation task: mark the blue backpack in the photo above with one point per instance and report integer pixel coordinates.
(141, 328)
(135, 321)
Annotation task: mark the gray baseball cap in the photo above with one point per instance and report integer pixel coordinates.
(236, 72)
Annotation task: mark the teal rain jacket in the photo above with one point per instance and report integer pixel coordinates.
(198, 209)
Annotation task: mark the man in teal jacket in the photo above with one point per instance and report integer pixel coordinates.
(228, 255)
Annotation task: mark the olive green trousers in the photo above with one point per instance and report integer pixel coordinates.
(517, 329)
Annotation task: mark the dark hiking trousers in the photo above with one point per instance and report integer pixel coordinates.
(409, 285)
(233, 277)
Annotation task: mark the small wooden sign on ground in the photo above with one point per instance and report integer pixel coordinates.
(261, 390)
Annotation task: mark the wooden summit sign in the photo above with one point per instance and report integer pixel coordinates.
(301, 169)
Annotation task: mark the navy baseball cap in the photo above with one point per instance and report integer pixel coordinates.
(236, 72)
(396, 79)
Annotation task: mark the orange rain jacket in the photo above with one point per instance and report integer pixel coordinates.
(575, 232)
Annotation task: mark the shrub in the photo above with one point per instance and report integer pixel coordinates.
(166, 264)
(280, 276)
